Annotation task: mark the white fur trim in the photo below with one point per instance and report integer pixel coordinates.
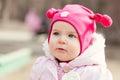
(46, 49)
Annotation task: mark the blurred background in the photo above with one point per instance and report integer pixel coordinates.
(24, 27)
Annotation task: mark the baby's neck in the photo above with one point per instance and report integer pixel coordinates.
(62, 61)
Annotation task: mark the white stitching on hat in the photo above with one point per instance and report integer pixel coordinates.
(64, 14)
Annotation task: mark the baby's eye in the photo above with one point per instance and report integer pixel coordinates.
(71, 36)
(56, 33)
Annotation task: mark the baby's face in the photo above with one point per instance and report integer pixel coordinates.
(64, 42)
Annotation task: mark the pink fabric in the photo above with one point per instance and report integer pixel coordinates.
(81, 18)
(105, 20)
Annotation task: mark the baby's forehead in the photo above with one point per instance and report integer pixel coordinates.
(61, 23)
(63, 26)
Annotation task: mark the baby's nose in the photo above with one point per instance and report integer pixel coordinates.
(62, 40)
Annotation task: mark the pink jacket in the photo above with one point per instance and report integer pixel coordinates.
(90, 65)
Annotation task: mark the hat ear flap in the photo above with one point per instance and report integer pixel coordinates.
(105, 20)
(51, 12)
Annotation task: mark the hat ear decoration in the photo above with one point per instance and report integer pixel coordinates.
(51, 12)
(105, 20)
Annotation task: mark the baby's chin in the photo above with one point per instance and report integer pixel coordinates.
(64, 60)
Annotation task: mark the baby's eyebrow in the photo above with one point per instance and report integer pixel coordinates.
(73, 32)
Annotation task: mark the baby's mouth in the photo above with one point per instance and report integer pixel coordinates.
(61, 49)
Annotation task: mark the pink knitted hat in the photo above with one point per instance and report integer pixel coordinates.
(82, 19)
